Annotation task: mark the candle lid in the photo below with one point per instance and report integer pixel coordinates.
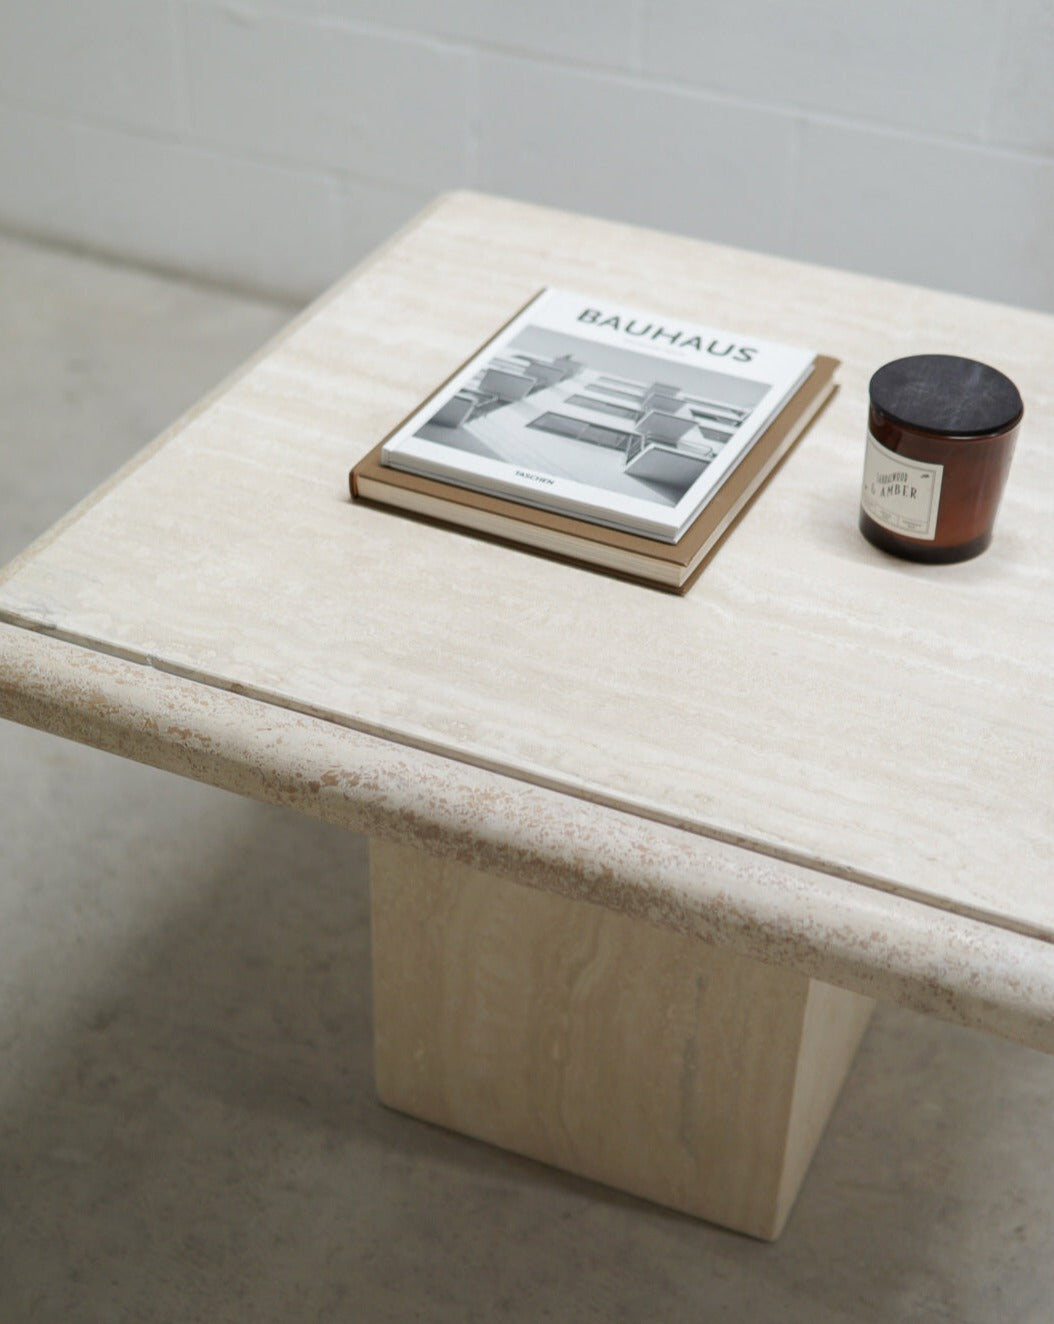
(946, 394)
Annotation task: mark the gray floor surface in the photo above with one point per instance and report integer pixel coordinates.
(188, 1129)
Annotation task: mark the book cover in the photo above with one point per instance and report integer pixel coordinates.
(670, 566)
(610, 415)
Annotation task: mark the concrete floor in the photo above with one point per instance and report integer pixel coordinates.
(188, 1129)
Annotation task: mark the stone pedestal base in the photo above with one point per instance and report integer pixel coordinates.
(625, 1053)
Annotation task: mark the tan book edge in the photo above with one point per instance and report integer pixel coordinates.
(670, 566)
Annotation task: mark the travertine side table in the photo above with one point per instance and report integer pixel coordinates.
(640, 863)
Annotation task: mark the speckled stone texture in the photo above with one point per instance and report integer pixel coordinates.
(247, 625)
(188, 1128)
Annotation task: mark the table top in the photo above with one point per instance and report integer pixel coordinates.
(813, 708)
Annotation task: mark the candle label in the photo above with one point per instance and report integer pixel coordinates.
(902, 495)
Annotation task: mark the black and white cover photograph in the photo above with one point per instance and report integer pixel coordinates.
(625, 418)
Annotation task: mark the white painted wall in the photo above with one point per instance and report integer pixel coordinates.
(270, 143)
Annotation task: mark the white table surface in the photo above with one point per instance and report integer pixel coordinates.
(814, 717)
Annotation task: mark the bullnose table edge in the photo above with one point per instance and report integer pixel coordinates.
(872, 942)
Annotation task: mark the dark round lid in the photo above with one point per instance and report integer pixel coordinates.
(946, 394)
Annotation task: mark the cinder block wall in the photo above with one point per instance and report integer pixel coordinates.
(269, 143)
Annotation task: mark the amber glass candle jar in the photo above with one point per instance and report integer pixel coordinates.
(941, 435)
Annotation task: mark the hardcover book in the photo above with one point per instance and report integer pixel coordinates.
(602, 434)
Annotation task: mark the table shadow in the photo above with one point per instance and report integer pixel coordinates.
(188, 1128)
